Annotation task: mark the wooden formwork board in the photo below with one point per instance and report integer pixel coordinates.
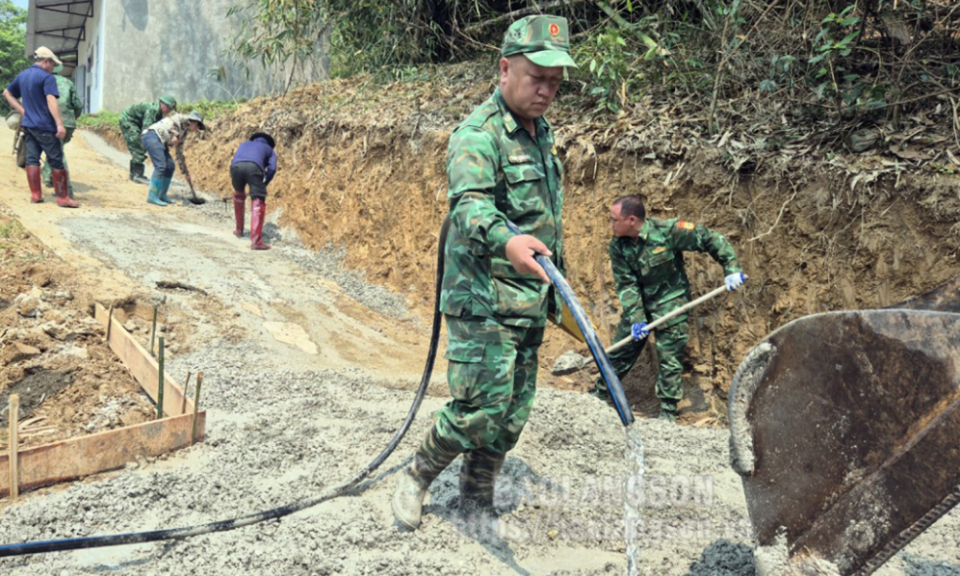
(143, 367)
(78, 457)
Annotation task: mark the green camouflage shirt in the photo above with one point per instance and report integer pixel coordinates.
(142, 115)
(497, 172)
(70, 104)
(649, 273)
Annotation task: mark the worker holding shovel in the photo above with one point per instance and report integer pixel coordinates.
(646, 255)
(157, 140)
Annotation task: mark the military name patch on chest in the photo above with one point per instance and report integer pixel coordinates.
(519, 158)
(659, 250)
(683, 225)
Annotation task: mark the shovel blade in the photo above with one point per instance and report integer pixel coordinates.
(844, 430)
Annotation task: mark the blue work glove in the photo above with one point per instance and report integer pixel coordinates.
(734, 281)
(639, 331)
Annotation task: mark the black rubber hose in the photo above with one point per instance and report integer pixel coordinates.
(607, 372)
(177, 533)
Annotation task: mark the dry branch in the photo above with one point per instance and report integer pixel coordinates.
(511, 16)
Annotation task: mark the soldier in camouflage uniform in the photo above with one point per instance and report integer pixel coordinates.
(646, 255)
(502, 166)
(70, 107)
(133, 121)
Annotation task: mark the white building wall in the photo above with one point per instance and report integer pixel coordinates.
(90, 66)
(173, 46)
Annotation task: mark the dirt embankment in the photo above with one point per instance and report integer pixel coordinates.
(363, 166)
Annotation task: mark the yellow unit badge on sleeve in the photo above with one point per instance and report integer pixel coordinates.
(659, 249)
(683, 225)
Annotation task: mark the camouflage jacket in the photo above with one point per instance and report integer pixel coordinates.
(497, 172)
(70, 104)
(174, 125)
(649, 273)
(142, 115)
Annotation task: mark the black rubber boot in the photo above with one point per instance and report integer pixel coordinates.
(136, 173)
(478, 474)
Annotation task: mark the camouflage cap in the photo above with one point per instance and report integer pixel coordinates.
(169, 100)
(544, 40)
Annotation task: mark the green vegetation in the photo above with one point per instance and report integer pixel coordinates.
(212, 109)
(100, 122)
(277, 33)
(106, 122)
(10, 232)
(13, 32)
(832, 60)
(11, 229)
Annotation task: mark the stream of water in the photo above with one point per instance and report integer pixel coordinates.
(631, 506)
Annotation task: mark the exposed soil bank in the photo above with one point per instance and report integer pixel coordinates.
(363, 167)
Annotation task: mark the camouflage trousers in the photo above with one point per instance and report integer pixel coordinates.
(131, 134)
(492, 374)
(670, 343)
(47, 172)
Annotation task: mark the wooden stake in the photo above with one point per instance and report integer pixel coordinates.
(14, 446)
(160, 381)
(196, 403)
(183, 405)
(153, 331)
(109, 324)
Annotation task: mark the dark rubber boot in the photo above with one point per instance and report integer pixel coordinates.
(478, 517)
(239, 199)
(433, 456)
(478, 474)
(258, 211)
(62, 190)
(33, 181)
(137, 173)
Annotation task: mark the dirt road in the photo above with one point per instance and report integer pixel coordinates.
(309, 369)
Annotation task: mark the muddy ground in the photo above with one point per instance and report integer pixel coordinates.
(308, 370)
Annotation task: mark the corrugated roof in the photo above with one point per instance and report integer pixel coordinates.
(60, 26)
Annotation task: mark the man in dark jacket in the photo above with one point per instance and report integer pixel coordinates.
(254, 165)
(42, 125)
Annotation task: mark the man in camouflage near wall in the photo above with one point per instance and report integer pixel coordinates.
(70, 107)
(646, 255)
(502, 166)
(133, 121)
